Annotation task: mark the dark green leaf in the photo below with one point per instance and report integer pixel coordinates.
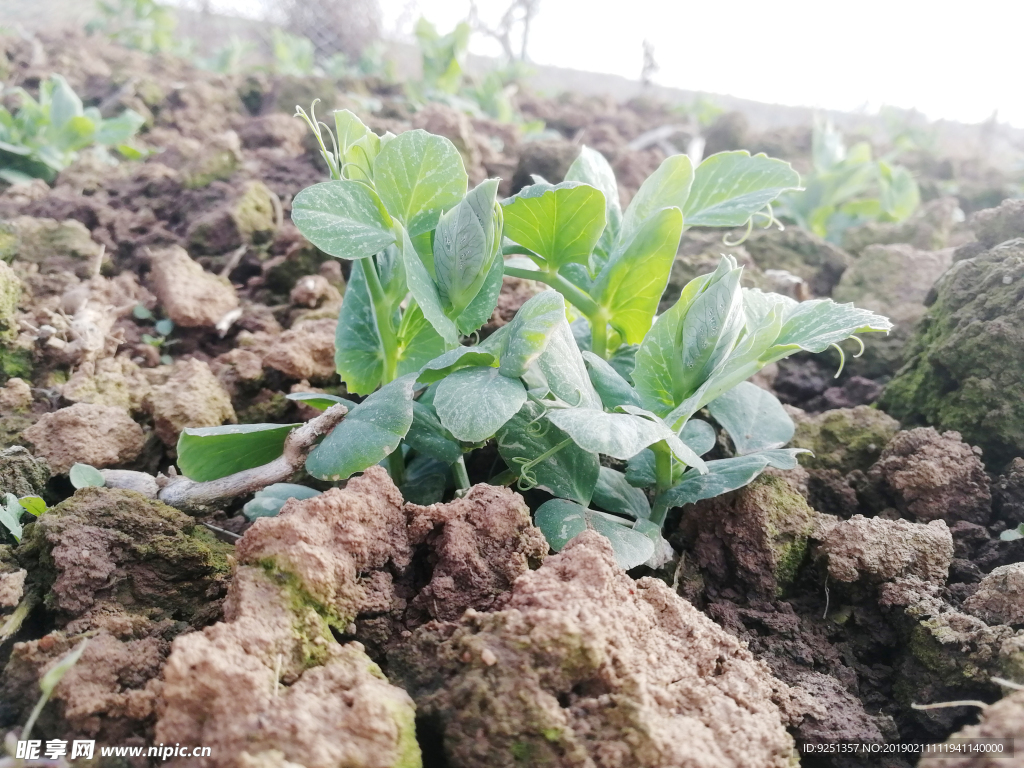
(423, 289)
(418, 342)
(474, 403)
(613, 388)
(569, 473)
(343, 218)
(561, 521)
(358, 353)
(418, 175)
(426, 480)
(209, 453)
(614, 494)
(453, 360)
(753, 417)
(426, 435)
(368, 434)
(482, 307)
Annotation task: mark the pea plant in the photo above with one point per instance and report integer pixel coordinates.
(44, 137)
(560, 405)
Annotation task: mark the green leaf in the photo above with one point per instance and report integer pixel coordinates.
(570, 473)
(816, 324)
(466, 242)
(728, 188)
(83, 476)
(613, 389)
(268, 502)
(592, 168)
(64, 103)
(319, 400)
(474, 403)
(620, 435)
(369, 433)
(118, 130)
(723, 475)
(614, 494)
(423, 289)
(1012, 534)
(348, 129)
(418, 175)
(56, 673)
(426, 480)
(418, 342)
(358, 351)
(10, 516)
(343, 218)
(564, 371)
(699, 435)
(482, 307)
(561, 223)
(753, 417)
(530, 330)
(33, 505)
(428, 437)
(710, 329)
(561, 521)
(632, 282)
(453, 360)
(209, 453)
(667, 187)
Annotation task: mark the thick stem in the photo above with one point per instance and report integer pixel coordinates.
(663, 473)
(190, 496)
(461, 475)
(575, 296)
(599, 334)
(385, 328)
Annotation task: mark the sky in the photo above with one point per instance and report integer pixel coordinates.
(958, 61)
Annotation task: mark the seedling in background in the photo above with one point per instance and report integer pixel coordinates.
(162, 327)
(428, 275)
(13, 509)
(44, 137)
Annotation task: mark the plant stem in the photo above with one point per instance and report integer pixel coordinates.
(576, 296)
(389, 343)
(461, 475)
(663, 473)
(388, 340)
(599, 334)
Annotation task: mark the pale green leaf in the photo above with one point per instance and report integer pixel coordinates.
(528, 334)
(667, 187)
(561, 223)
(343, 218)
(728, 188)
(268, 502)
(466, 243)
(753, 417)
(474, 403)
(613, 389)
(84, 476)
(453, 360)
(561, 521)
(33, 505)
(592, 168)
(319, 400)
(418, 175)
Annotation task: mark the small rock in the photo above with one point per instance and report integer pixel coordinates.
(305, 351)
(12, 586)
(550, 159)
(893, 280)
(99, 435)
(997, 225)
(191, 296)
(248, 219)
(802, 253)
(1008, 494)
(56, 246)
(933, 477)
(10, 295)
(21, 473)
(313, 291)
(1000, 596)
(109, 381)
(883, 550)
(191, 397)
(16, 395)
(276, 130)
(929, 228)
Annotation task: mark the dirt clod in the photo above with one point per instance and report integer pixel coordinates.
(191, 397)
(99, 435)
(1000, 596)
(934, 476)
(882, 550)
(191, 296)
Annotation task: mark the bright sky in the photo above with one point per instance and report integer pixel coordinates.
(959, 61)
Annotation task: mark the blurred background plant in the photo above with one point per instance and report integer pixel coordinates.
(848, 187)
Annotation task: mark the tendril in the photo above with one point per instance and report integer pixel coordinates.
(527, 478)
(857, 339)
(842, 359)
(733, 243)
